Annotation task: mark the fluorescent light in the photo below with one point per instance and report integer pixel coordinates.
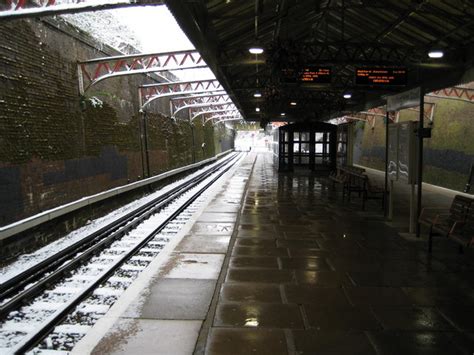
(282, 114)
(293, 103)
(256, 50)
(435, 54)
(347, 96)
(257, 94)
(257, 109)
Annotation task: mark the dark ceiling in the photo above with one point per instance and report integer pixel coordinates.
(340, 34)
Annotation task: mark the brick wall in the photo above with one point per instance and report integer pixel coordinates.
(56, 147)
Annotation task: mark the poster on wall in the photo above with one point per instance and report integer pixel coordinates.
(393, 152)
(402, 152)
(407, 152)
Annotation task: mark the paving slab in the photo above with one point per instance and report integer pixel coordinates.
(264, 315)
(204, 244)
(323, 297)
(217, 217)
(341, 318)
(332, 343)
(250, 292)
(412, 318)
(305, 263)
(196, 266)
(212, 228)
(420, 342)
(236, 341)
(178, 299)
(253, 262)
(145, 336)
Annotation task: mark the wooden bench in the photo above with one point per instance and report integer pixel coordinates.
(374, 192)
(361, 184)
(463, 232)
(337, 177)
(450, 222)
(342, 173)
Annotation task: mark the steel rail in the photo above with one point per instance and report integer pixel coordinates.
(32, 274)
(48, 325)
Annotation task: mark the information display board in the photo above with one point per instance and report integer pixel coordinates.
(308, 75)
(319, 75)
(377, 76)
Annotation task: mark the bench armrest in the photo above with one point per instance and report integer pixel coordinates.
(431, 213)
(435, 209)
(439, 217)
(456, 227)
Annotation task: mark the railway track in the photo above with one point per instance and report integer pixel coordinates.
(52, 304)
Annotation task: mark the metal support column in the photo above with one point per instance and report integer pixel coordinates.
(140, 138)
(145, 141)
(191, 125)
(387, 120)
(420, 158)
(312, 149)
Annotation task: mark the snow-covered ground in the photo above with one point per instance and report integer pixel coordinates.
(27, 260)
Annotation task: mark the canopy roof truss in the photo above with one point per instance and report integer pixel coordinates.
(91, 72)
(341, 34)
(151, 92)
(209, 112)
(191, 107)
(178, 103)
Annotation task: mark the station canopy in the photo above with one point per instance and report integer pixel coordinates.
(317, 52)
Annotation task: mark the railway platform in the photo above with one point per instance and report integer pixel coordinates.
(278, 264)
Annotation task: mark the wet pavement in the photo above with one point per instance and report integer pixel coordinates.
(278, 264)
(309, 274)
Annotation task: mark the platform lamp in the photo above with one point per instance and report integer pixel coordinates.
(435, 53)
(256, 48)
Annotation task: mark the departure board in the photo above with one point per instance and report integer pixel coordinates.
(309, 75)
(317, 75)
(376, 76)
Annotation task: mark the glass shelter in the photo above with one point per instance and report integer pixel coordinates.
(307, 145)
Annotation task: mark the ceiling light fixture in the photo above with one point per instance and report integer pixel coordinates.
(257, 94)
(347, 96)
(282, 114)
(257, 109)
(436, 53)
(256, 49)
(293, 103)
